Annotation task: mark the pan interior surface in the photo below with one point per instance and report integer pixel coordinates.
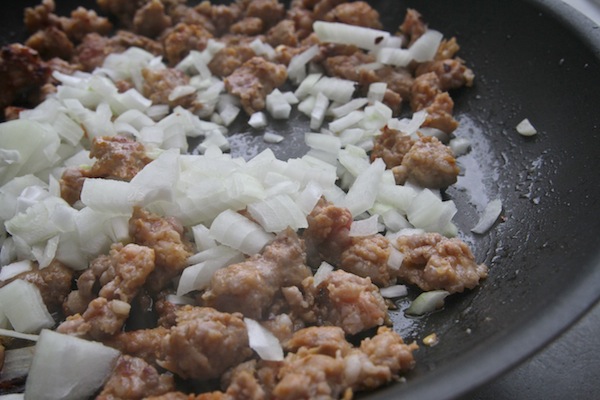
(532, 59)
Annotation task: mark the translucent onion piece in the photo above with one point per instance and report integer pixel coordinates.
(427, 302)
(336, 32)
(394, 291)
(263, 342)
(525, 128)
(365, 227)
(490, 216)
(22, 304)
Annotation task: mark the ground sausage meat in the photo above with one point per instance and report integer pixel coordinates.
(182, 38)
(368, 256)
(204, 343)
(432, 261)
(253, 81)
(431, 164)
(102, 319)
(391, 146)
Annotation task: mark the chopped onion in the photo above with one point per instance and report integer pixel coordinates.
(525, 128)
(395, 57)
(395, 259)
(363, 192)
(198, 276)
(365, 227)
(490, 216)
(346, 121)
(18, 335)
(263, 342)
(336, 32)
(258, 120)
(107, 195)
(61, 367)
(460, 146)
(271, 137)
(335, 89)
(306, 86)
(276, 213)
(317, 115)
(347, 108)
(427, 302)
(322, 273)
(426, 46)
(202, 238)
(11, 270)
(394, 291)
(22, 304)
(277, 105)
(239, 232)
(376, 91)
(427, 211)
(296, 69)
(17, 363)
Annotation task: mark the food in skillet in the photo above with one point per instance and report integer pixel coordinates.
(187, 272)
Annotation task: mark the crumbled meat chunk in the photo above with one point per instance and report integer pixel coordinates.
(253, 81)
(284, 33)
(40, 16)
(439, 114)
(123, 10)
(159, 83)
(413, 26)
(327, 235)
(51, 42)
(391, 146)
(183, 38)
(357, 13)
(250, 287)
(134, 379)
(431, 164)
(204, 343)
(126, 39)
(269, 11)
(181, 13)
(102, 319)
(151, 20)
(143, 343)
(92, 51)
(432, 262)
(223, 16)
(82, 22)
(327, 340)
(452, 73)
(368, 256)
(321, 8)
(229, 59)
(250, 26)
(348, 67)
(165, 236)
(22, 75)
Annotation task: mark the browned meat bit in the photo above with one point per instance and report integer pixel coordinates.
(82, 22)
(431, 164)
(143, 343)
(249, 26)
(321, 8)
(40, 16)
(439, 114)
(184, 396)
(348, 301)
(150, 20)
(102, 319)
(204, 343)
(368, 257)
(51, 42)
(349, 67)
(22, 74)
(221, 16)
(253, 81)
(123, 10)
(391, 146)
(181, 13)
(229, 59)
(182, 38)
(452, 73)
(424, 90)
(399, 80)
(432, 261)
(165, 236)
(327, 234)
(134, 379)
(126, 39)
(327, 340)
(357, 13)
(92, 51)
(250, 287)
(159, 83)
(413, 26)
(283, 33)
(269, 11)
(165, 310)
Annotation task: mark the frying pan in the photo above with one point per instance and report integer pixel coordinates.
(535, 59)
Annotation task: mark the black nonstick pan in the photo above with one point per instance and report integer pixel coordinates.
(535, 59)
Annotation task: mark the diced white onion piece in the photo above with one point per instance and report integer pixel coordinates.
(202, 238)
(157, 111)
(326, 143)
(346, 121)
(395, 259)
(179, 300)
(22, 304)
(336, 32)
(364, 227)
(363, 192)
(398, 196)
(376, 116)
(18, 335)
(277, 106)
(290, 97)
(306, 106)
(107, 195)
(198, 276)
(276, 213)
(409, 126)
(376, 91)
(460, 146)
(317, 115)
(17, 363)
(271, 137)
(37, 223)
(428, 212)
(395, 220)
(229, 114)
(309, 197)
(347, 108)
(258, 120)
(426, 46)
(262, 49)
(322, 273)
(306, 86)
(525, 128)
(395, 57)
(427, 302)
(394, 291)
(335, 89)
(61, 367)
(296, 69)
(263, 342)
(68, 129)
(490, 216)
(45, 253)
(155, 181)
(239, 232)
(11, 270)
